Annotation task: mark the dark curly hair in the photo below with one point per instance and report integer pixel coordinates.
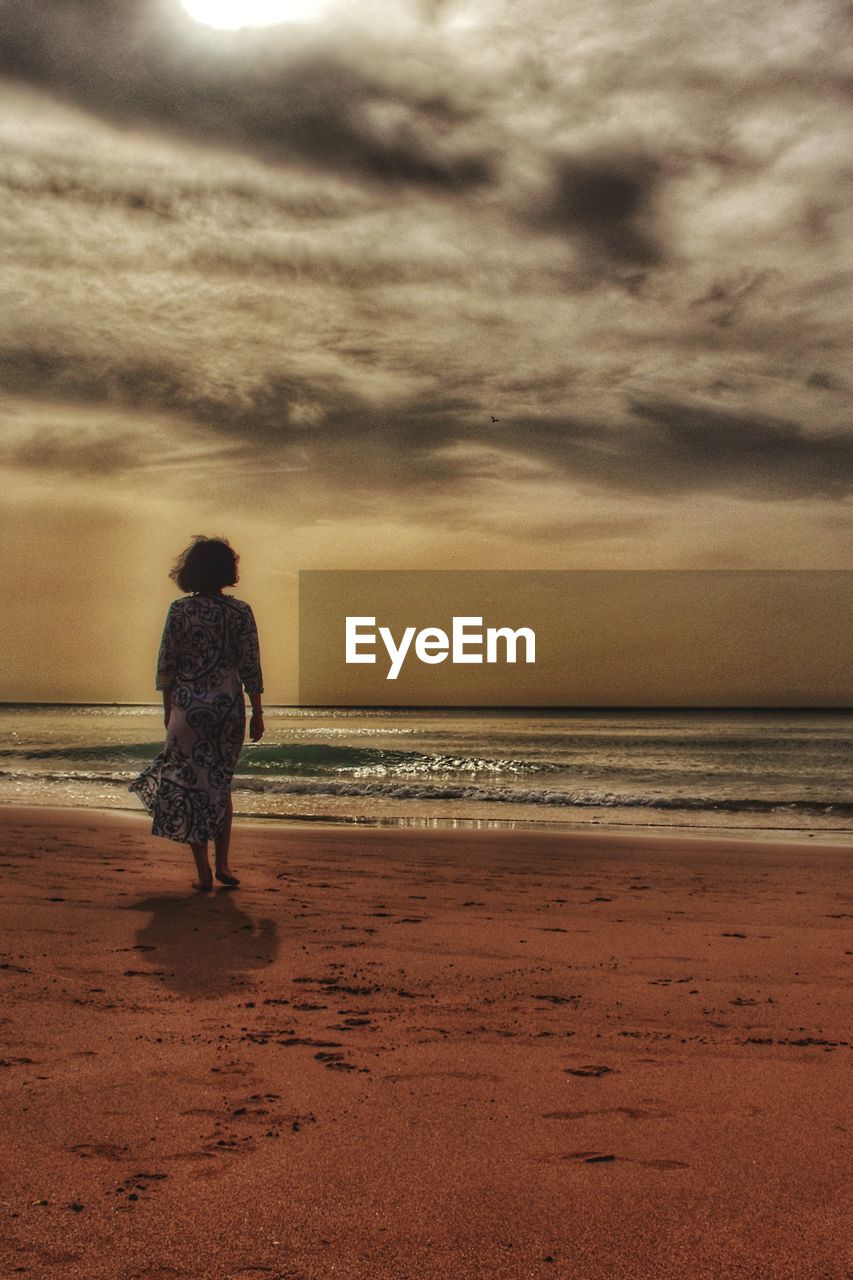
(206, 565)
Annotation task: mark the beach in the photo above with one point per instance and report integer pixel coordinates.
(399, 1053)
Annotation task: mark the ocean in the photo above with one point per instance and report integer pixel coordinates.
(787, 772)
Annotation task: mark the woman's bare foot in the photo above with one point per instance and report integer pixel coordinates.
(224, 876)
(204, 883)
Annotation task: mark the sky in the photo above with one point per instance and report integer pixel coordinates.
(411, 285)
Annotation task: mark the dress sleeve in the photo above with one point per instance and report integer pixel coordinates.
(249, 667)
(167, 658)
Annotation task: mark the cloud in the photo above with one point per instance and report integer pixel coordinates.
(747, 455)
(314, 268)
(52, 452)
(66, 377)
(271, 93)
(668, 448)
(438, 447)
(609, 201)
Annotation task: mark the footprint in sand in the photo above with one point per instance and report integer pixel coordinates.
(137, 1186)
(106, 1150)
(609, 1157)
(632, 1113)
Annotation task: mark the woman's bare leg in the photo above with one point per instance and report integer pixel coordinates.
(222, 844)
(205, 875)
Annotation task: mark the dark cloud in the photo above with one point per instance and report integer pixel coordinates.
(675, 449)
(724, 301)
(437, 446)
(45, 374)
(610, 201)
(822, 380)
(74, 456)
(29, 177)
(268, 93)
(352, 444)
(748, 456)
(77, 189)
(373, 266)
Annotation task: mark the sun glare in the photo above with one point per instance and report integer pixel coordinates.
(229, 15)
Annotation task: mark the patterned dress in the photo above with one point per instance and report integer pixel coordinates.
(208, 655)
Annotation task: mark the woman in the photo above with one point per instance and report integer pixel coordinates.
(208, 655)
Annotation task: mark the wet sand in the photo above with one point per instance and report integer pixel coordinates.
(395, 1054)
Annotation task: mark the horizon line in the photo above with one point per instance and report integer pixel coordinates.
(530, 707)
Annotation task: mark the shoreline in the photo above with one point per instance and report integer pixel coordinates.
(518, 827)
(519, 709)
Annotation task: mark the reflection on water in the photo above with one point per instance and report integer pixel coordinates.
(745, 771)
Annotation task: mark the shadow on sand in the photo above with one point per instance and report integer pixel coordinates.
(203, 945)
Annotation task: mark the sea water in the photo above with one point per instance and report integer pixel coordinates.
(746, 772)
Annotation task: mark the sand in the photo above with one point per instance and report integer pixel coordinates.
(398, 1053)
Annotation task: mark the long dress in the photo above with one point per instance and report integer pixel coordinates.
(208, 655)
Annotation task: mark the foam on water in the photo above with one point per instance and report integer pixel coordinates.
(768, 770)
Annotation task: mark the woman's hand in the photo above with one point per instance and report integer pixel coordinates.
(256, 726)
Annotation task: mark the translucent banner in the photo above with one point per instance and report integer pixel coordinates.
(589, 638)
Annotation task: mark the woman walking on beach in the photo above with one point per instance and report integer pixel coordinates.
(209, 655)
